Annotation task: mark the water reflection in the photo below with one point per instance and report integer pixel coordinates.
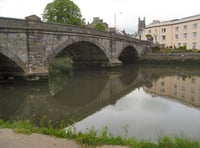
(183, 89)
(18, 97)
(60, 72)
(133, 95)
(147, 117)
(63, 96)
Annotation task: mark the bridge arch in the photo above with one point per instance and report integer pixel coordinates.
(83, 52)
(129, 55)
(9, 65)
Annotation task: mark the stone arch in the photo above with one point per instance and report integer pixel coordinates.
(8, 65)
(82, 51)
(129, 55)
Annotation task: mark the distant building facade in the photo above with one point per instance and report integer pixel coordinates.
(173, 33)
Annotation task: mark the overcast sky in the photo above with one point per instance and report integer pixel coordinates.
(127, 11)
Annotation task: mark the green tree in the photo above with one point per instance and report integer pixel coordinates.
(149, 37)
(64, 12)
(100, 26)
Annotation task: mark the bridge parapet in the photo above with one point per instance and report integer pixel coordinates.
(6, 23)
(33, 24)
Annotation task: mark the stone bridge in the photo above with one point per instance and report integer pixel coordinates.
(29, 46)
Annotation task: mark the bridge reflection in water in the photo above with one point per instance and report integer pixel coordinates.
(86, 92)
(65, 98)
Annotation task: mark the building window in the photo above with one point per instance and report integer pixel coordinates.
(195, 26)
(155, 30)
(185, 45)
(192, 90)
(183, 88)
(185, 35)
(182, 96)
(175, 93)
(193, 80)
(176, 36)
(177, 29)
(175, 85)
(163, 37)
(194, 34)
(163, 30)
(194, 45)
(179, 45)
(149, 31)
(185, 27)
(162, 90)
(192, 98)
(162, 45)
(155, 37)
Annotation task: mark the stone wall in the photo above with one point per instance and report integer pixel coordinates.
(171, 58)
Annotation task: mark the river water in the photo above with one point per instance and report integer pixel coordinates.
(141, 101)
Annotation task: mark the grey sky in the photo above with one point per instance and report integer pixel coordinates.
(105, 9)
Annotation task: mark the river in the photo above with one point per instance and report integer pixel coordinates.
(141, 101)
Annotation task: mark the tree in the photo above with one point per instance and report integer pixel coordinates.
(64, 12)
(149, 37)
(100, 26)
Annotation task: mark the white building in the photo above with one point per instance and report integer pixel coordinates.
(173, 33)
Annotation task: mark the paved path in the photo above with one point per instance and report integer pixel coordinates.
(10, 139)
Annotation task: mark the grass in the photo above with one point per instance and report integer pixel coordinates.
(91, 138)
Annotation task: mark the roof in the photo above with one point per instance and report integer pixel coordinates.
(174, 21)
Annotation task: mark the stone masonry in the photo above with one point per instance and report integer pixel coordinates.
(31, 44)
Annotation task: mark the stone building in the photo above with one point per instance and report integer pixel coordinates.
(97, 20)
(173, 33)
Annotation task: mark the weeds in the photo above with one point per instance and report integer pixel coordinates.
(92, 138)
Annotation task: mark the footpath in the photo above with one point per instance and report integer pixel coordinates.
(11, 139)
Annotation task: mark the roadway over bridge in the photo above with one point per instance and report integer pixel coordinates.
(29, 46)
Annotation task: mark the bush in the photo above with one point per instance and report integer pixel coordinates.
(100, 26)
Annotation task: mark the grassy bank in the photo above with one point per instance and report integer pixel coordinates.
(92, 138)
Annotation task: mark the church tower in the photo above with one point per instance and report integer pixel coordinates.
(141, 26)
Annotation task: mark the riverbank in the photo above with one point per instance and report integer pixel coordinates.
(171, 58)
(11, 137)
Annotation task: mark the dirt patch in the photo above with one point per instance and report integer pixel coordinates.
(11, 139)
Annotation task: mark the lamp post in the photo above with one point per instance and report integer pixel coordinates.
(115, 17)
(115, 20)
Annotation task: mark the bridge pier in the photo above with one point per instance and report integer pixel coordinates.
(42, 70)
(115, 63)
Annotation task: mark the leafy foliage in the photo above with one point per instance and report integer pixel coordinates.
(100, 26)
(64, 12)
(149, 37)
